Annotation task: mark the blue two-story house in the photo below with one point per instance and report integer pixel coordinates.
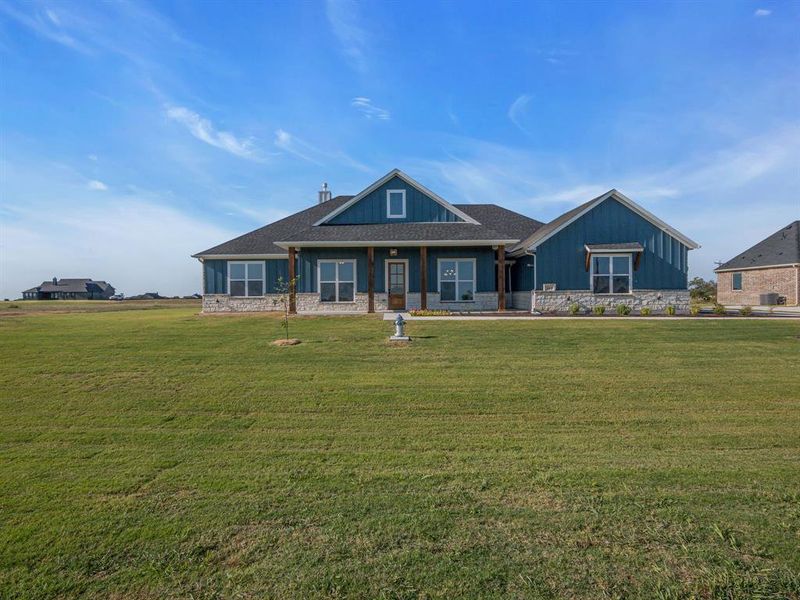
(397, 245)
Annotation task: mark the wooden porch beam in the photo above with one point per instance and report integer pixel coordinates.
(292, 290)
(501, 278)
(423, 277)
(371, 279)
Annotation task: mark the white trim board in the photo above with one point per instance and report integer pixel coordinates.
(535, 240)
(392, 244)
(409, 181)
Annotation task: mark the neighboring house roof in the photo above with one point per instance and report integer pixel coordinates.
(412, 182)
(70, 285)
(781, 248)
(497, 225)
(559, 223)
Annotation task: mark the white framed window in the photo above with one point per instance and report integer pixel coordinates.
(396, 204)
(337, 280)
(245, 278)
(736, 282)
(456, 279)
(611, 273)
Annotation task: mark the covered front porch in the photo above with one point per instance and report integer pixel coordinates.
(378, 278)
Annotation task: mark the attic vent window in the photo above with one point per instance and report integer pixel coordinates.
(396, 204)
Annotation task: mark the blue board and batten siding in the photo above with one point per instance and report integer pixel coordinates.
(561, 258)
(216, 274)
(484, 260)
(420, 208)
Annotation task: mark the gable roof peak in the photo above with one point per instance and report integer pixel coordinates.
(410, 181)
(560, 222)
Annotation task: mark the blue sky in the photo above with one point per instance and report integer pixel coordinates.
(134, 134)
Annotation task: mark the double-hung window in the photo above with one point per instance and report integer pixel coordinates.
(396, 204)
(246, 278)
(736, 282)
(337, 280)
(457, 280)
(611, 274)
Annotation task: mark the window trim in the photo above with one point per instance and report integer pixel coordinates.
(246, 280)
(611, 273)
(474, 262)
(389, 214)
(741, 281)
(337, 281)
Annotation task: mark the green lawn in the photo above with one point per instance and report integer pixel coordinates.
(156, 453)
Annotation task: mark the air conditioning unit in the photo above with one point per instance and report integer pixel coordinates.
(549, 287)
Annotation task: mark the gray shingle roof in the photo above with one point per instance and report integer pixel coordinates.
(633, 246)
(555, 223)
(79, 285)
(262, 240)
(781, 248)
(496, 223)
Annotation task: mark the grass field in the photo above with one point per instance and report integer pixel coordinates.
(157, 453)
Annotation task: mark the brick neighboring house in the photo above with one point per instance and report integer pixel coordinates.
(771, 266)
(70, 289)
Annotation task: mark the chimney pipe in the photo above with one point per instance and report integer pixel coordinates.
(55, 280)
(324, 193)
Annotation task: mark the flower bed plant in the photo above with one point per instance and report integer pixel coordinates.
(418, 312)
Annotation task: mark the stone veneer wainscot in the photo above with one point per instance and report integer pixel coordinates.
(657, 300)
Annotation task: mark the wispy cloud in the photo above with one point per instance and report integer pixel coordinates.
(345, 22)
(293, 145)
(369, 110)
(518, 110)
(314, 154)
(204, 130)
(43, 22)
(96, 185)
(762, 12)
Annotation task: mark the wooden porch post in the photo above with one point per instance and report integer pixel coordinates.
(371, 279)
(501, 278)
(292, 290)
(423, 277)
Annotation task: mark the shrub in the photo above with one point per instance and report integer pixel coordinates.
(646, 311)
(670, 310)
(719, 309)
(694, 310)
(623, 310)
(746, 311)
(574, 308)
(599, 310)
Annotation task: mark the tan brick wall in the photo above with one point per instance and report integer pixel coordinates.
(783, 280)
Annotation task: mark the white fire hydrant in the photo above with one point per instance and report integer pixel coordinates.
(399, 330)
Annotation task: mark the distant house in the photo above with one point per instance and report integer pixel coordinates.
(397, 245)
(70, 289)
(772, 266)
